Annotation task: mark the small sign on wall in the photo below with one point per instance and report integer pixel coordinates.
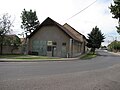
(49, 43)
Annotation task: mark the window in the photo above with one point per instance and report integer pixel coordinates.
(49, 48)
(54, 43)
(64, 44)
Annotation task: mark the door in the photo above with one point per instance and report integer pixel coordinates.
(64, 51)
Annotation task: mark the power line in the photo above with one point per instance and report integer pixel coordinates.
(82, 10)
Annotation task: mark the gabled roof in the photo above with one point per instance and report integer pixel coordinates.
(73, 31)
(73, 34)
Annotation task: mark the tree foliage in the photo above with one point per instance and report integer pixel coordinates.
(29, 21)
(115, 10)
(114, 46)
(95, 38)
(5, 28)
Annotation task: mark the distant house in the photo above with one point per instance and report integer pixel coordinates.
(11, 45)
(53, 39)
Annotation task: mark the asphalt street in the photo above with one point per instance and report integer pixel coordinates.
(100, 73)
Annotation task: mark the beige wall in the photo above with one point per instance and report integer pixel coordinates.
(76, 48)
(7, 50)
(51, 33)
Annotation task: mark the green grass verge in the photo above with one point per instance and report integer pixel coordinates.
(88, 56)
(10, 56)
(27, 57)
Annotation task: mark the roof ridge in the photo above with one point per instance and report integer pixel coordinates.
(49, 21)
(72, 28)
(66, 30)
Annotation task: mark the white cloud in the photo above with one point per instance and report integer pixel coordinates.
(98, 14)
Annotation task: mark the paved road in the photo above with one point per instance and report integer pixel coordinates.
(101, 73)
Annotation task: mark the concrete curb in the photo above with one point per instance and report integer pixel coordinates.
(38, 60)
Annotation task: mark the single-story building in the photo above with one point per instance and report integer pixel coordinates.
(53, 39)
(11, 45)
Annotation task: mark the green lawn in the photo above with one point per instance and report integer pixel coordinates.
(26, 57)
(88, 56)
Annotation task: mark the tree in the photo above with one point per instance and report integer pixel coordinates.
(95, 38)
(114, 46)
(115, 10)
(5, 28)
(29, 21)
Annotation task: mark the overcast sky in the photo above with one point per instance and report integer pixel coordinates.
(61, 10)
